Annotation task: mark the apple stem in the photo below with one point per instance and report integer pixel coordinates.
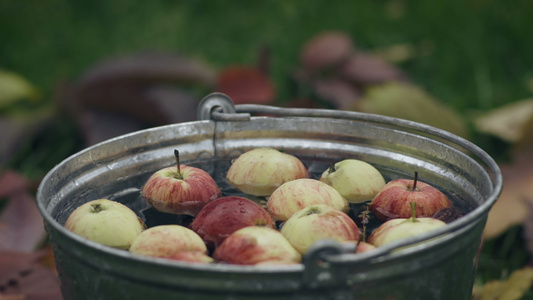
(332, 168)
(364, 221)
(413, 209)
(96, 207)
(415, 180)
(177, 155)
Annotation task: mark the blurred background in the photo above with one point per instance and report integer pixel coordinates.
(73, 73)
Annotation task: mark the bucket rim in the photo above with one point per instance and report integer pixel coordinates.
(479, 212)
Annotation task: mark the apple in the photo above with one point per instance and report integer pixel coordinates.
(106, 222)
(401, 228)
(192, 257)
(180, 189)
(256, 245)
(317, 222)
(393, 200)
(297, 194)
(355, 180)
(364, 247)
(170, 241)
(221, 217)
(260, 171)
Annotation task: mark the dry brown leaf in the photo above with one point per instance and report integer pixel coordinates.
(507, 122)
(22, 276)
(21, 223)
(326, 50)
(513, 288)
(12, 182)
(132, 92)
(511, 207)
(245, 84)
(369, 69)
(341, 94)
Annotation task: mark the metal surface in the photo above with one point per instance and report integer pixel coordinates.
(440, 268)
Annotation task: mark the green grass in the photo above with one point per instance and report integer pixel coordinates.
(481, 49)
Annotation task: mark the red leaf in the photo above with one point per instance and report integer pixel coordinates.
(246, 85)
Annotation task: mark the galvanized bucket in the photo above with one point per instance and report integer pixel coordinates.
(441, 268)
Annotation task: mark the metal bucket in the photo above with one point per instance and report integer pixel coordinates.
(441, 268)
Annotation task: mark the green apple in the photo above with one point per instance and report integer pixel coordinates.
(318, 222)
(260, 171)
(297, 194)
(355, 180)
(106, 222)
(401, 228)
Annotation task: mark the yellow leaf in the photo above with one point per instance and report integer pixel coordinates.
(508, 121)
(407, 101)
(513, 288)
(14, 88)
(511, 207)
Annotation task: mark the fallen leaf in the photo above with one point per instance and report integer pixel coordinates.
(513, 288)
(149, 67)
(134, 92)
(12, 182)
(341, 94)
(407, 101)
(369, 69)
(325, 50)
(244, 84)
(511, 208)
(22, 276)
(527, 225)
(15, 88)
(21, 223)
(19, 128)
(507, 122)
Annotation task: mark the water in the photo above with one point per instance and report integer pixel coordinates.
(127, 192)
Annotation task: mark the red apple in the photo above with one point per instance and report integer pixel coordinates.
(397, 229)
(364, 247)
(106, 222)
(297, 194)
(192, 257)
(256, 245)
(180, 189)
(170, 241)
(260, 171)
(221, 217)
(317, 222)
(393, 200)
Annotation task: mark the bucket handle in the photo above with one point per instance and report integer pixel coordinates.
(319, 272)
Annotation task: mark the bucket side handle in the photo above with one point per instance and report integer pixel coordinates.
(318, 272)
